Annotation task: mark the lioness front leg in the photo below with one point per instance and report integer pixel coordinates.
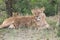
(11, 26)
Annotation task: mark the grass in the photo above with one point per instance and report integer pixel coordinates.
(52, 21)
(54, 25)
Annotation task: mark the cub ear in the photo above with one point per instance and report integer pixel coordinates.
(42, 9)
(36, 11)
(14, 13)
(33, 11)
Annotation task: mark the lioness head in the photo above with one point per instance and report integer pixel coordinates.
(40, 16)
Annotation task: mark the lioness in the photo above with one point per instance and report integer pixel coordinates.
(37, 20)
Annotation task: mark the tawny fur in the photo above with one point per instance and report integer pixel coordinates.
(7, 22)
(38, 20)
(27, 21)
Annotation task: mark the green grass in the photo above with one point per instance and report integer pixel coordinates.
(1, 1)
(53, 25)
(51, 21)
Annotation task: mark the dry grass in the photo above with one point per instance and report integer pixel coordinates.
(31, 34)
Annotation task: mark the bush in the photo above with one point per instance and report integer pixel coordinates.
(3, 16)
(24, 6)
(50, 10)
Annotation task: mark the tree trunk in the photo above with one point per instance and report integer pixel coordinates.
(9, 8)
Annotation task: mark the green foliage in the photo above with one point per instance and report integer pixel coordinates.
(2, 5)
(22, 6)
(25, 6)
(50, 10)
(3, 16)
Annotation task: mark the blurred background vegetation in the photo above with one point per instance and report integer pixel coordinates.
(25, 6)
